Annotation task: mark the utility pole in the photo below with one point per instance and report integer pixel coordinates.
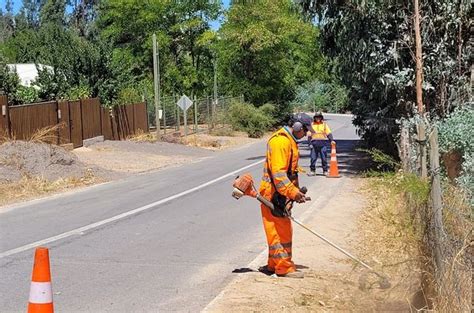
(156, 76)
(215, 78)
(214, 103)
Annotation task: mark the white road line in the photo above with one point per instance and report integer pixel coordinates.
(82, 229)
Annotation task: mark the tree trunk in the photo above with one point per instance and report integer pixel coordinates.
(418, 60)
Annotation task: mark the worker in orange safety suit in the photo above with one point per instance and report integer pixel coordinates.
(318, 141)
(280, 180)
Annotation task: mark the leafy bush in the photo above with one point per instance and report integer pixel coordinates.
(24, 95)
(128, 95)
(52, 83)
(9, 81)
(268, 109)
(254, 121)
(384, 162)
(78, 92)
(456, 133)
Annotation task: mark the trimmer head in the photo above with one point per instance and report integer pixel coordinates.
(243, 185)
(370, 278)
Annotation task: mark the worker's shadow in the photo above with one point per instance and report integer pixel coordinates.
(250, 270)
(256, 158)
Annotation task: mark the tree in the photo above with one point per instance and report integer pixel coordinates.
(129, 25)
(53, 12)
(9, 81)
(29, 16)
(7, 23)
(267, 50)
(83, 14)
(319, 96)
(375, 49)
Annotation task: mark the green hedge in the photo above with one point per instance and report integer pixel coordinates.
(254, 121)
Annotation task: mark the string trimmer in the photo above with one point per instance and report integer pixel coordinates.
(244, 186)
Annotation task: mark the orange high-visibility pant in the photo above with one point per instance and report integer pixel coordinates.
(279, 234)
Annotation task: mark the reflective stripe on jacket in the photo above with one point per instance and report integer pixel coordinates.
(322, 131)
(281, 150)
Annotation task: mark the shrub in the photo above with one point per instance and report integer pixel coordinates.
(25, 95)
(268, 109)
(128, 95)
(254, 121)
(455, 134)
(78, 92)
(9, 81)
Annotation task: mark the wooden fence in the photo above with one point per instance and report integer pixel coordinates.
(77, 120)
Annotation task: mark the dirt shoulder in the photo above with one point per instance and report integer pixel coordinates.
(30, 170)
(332, 282)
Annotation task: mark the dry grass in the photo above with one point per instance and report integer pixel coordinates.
(398, 234)
(142, 136)
(4, 136)
(48, 134)
(390, 242)
(224, 131)
(454, 282)
(32, 187)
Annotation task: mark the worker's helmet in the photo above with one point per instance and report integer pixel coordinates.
(298, 120)
(318, 114)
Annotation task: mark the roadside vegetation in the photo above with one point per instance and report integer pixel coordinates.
(401, 214)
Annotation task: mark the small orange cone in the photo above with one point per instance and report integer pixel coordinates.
(333, 169)
(41, 292)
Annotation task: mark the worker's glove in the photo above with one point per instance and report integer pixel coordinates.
(300, 197)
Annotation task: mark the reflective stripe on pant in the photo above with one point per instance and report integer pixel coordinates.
(319, 151)
(279, 233)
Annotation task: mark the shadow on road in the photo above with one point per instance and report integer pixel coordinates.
(350, 161)
(256, 158)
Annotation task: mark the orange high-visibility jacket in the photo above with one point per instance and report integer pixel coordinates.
(281, 151)
(321, 131)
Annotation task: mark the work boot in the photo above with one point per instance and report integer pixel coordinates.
(295, 274)
(312, 173)
(265, 270)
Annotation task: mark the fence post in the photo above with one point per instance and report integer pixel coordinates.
(422, 148)
(185, 118)
(163, 112)
(58, 131)
(195, 115)
(404, 148)
(436, 202)
(208, 119)
(213, 112)
(178, 122)
(5, 115)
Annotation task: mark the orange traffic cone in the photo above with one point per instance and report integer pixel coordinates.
(333, 169)
(41, 292)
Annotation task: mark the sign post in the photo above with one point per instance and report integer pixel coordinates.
(185, 103)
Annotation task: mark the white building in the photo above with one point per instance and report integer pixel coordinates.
(28, 73)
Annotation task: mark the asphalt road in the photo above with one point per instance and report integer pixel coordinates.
(163, 241)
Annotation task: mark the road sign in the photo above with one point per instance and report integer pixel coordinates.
(184, 103)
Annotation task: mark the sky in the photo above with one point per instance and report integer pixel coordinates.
(17, 5)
